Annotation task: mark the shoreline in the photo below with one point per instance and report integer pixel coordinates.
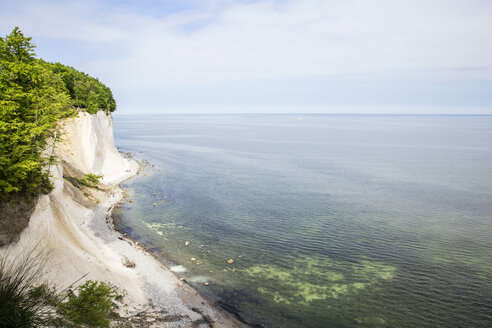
(183, 284)
(212, 315)
(69, 227)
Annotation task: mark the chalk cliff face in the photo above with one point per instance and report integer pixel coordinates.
(61, 225)
(88, 145)
(69, 230)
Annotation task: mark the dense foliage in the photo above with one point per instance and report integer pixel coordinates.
(34, 96)
(85, 92)
(92, 306)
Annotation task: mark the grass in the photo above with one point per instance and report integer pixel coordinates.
(23, 301)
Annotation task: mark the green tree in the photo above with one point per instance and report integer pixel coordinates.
(32, 100)
(34, 96)
(17, 47)
(86, 92)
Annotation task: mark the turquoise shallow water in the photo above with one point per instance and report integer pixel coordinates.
(331, 221)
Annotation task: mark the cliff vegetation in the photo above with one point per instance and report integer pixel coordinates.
(34, 96)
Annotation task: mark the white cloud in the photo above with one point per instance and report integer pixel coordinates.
(229, 41)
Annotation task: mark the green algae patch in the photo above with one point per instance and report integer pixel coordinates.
(358, 285)
(270, 272)
(312, 279)
(374, 270)
(308, 292)
(277, 298)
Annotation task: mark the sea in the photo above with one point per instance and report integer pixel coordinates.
(319, 220)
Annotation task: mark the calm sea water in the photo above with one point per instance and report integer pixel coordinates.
(331, 221)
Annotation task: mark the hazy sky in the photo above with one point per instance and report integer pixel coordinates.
(304, 56)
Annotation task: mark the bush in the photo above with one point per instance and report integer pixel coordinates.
(92, 306)
(89, 180)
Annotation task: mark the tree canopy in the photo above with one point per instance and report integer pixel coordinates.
(34, 96)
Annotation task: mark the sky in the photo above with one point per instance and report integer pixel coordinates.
(304, 56)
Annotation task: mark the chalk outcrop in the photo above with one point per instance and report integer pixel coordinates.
(88, 145)
(72, 231)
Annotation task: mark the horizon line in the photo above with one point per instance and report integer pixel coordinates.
(311, 114)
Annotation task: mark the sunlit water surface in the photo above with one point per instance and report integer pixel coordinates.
(331, 221)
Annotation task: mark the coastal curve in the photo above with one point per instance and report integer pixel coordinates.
(71, 227)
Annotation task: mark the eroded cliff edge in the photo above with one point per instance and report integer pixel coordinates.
(69, 227)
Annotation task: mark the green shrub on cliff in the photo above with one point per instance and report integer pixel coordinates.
(89, 180)
(34, 96)
(91, 306)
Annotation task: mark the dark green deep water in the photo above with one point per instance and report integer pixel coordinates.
(332, 221)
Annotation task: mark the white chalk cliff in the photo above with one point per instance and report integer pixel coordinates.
(72, 232)
(88, 145)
